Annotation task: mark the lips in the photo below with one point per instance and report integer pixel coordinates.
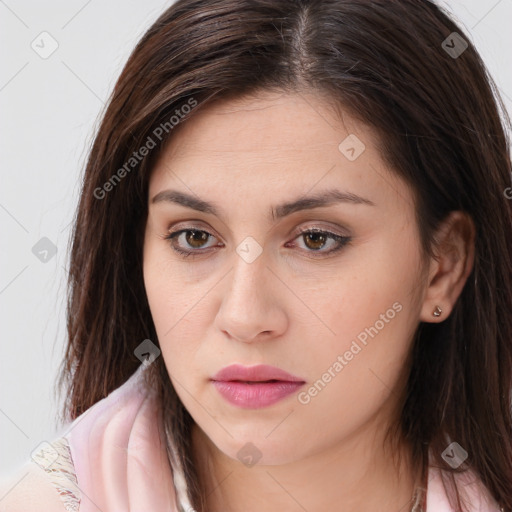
(251, 374)
(254, 387)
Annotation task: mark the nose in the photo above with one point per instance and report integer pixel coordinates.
(252, 304)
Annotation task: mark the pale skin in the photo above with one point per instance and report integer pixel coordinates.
(295, 306)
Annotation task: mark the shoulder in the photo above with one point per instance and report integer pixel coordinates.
(48, 479)
(43, 483)
(440, 494)
(115, 452)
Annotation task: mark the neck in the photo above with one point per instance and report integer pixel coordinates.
(356, 475)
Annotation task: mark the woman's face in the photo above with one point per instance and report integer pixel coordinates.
(337, 313)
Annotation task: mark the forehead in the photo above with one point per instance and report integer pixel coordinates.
(270, 122)
(274, 142)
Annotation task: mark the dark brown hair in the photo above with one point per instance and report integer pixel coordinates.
(442, 128)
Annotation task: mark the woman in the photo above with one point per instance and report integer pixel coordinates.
(291, 277)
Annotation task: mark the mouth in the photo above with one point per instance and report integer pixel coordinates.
(254, 387)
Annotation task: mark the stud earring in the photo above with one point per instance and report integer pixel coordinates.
(437, 311)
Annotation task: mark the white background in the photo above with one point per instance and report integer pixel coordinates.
(49, 110)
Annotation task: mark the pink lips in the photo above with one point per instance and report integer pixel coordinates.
(248, 386)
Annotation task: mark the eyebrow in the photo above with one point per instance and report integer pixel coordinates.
(325, 198)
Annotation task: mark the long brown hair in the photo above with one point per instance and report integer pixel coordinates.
(395, 65)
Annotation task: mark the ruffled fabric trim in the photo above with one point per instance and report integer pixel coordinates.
(56, 460)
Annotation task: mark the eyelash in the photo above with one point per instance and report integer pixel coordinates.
(341, 240)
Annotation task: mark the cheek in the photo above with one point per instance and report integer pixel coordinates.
(370, 314)
(175, 315)
(177, 312)
(367, 338)
(352, 377)
(369, 299)
(164, 287)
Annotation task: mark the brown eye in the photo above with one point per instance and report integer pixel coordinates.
(314, 240)
(196, 238)
(188, 241)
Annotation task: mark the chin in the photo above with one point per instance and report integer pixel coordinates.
(261, 451)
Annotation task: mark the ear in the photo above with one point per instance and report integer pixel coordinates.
(449, 270)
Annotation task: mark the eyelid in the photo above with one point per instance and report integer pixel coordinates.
(322, 229)
(190, 224)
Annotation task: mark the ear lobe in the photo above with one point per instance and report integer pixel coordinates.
(455, 252)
